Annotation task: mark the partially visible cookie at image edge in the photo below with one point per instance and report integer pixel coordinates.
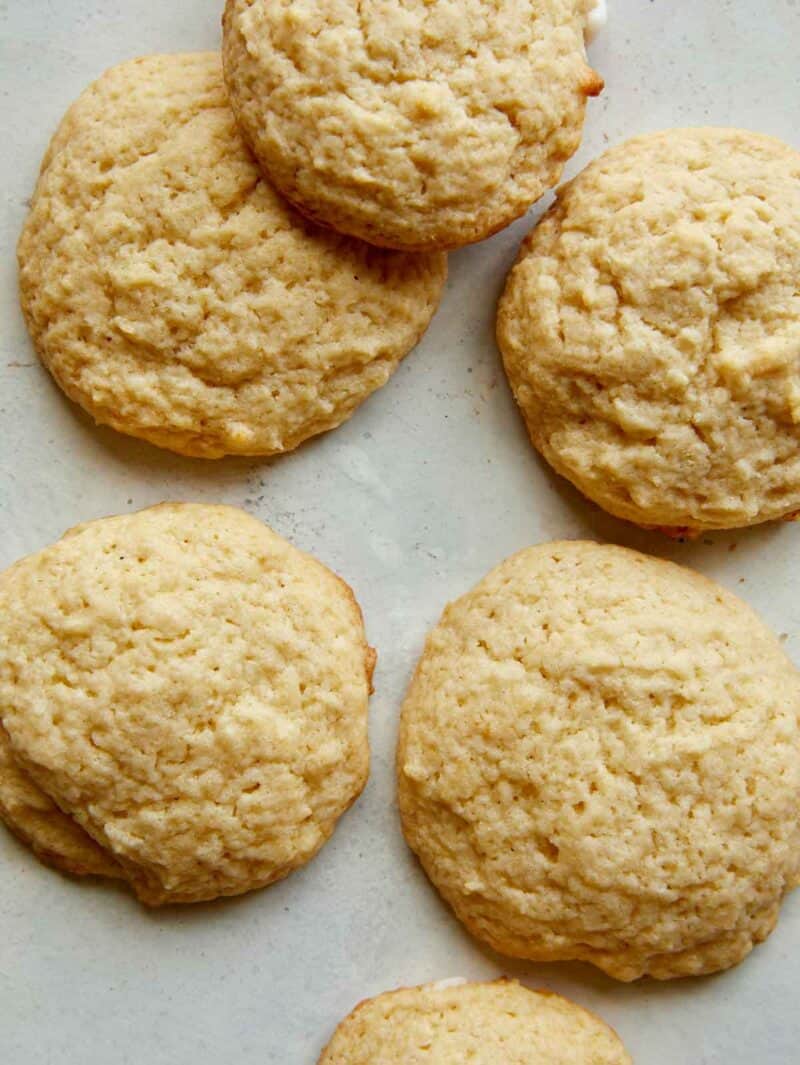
(35, 819)
(495, 1023)
(650, 330)
(192, 690)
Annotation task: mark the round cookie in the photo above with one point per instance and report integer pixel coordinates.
(599, 760)
(498, 1023)
(192, 690)
(415, 126)
(651, 330)
(176, 297)
(35, 819)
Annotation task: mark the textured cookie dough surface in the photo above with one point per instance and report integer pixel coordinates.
(415, 125)
(651, 330)
(35, 819)
(500, 1023)
(176, 297)
(599, 760)
(192, 690)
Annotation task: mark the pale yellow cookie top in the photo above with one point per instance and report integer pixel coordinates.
(599, 759)
(414, 125)
(53, 836)
(498, 1023)
(651, 330)
(177, 298)
(192, 689)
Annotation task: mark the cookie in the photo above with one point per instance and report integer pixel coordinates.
(651, 330)
(498, 1023)
(176, 297)
(36, 820)
(192, 690)
(414, 126)
(599, 760)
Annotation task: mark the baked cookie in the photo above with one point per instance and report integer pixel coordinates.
(35, 819)
(599, 760)
(176, 297)
(192, 690)
(499, 1023)
(415, 126)
(651, 330)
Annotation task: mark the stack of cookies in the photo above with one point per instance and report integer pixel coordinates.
(184, 702)
(599, 754)
(173, 291)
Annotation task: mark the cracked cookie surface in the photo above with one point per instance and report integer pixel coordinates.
(56, 839)
(415, 125)
(599, 760)
(651, 330)
(176, 297)
(497, 1023)
(192, 690)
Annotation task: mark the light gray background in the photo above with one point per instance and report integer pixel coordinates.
(429, 485)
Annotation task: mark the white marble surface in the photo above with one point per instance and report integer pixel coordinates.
(430, 484)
